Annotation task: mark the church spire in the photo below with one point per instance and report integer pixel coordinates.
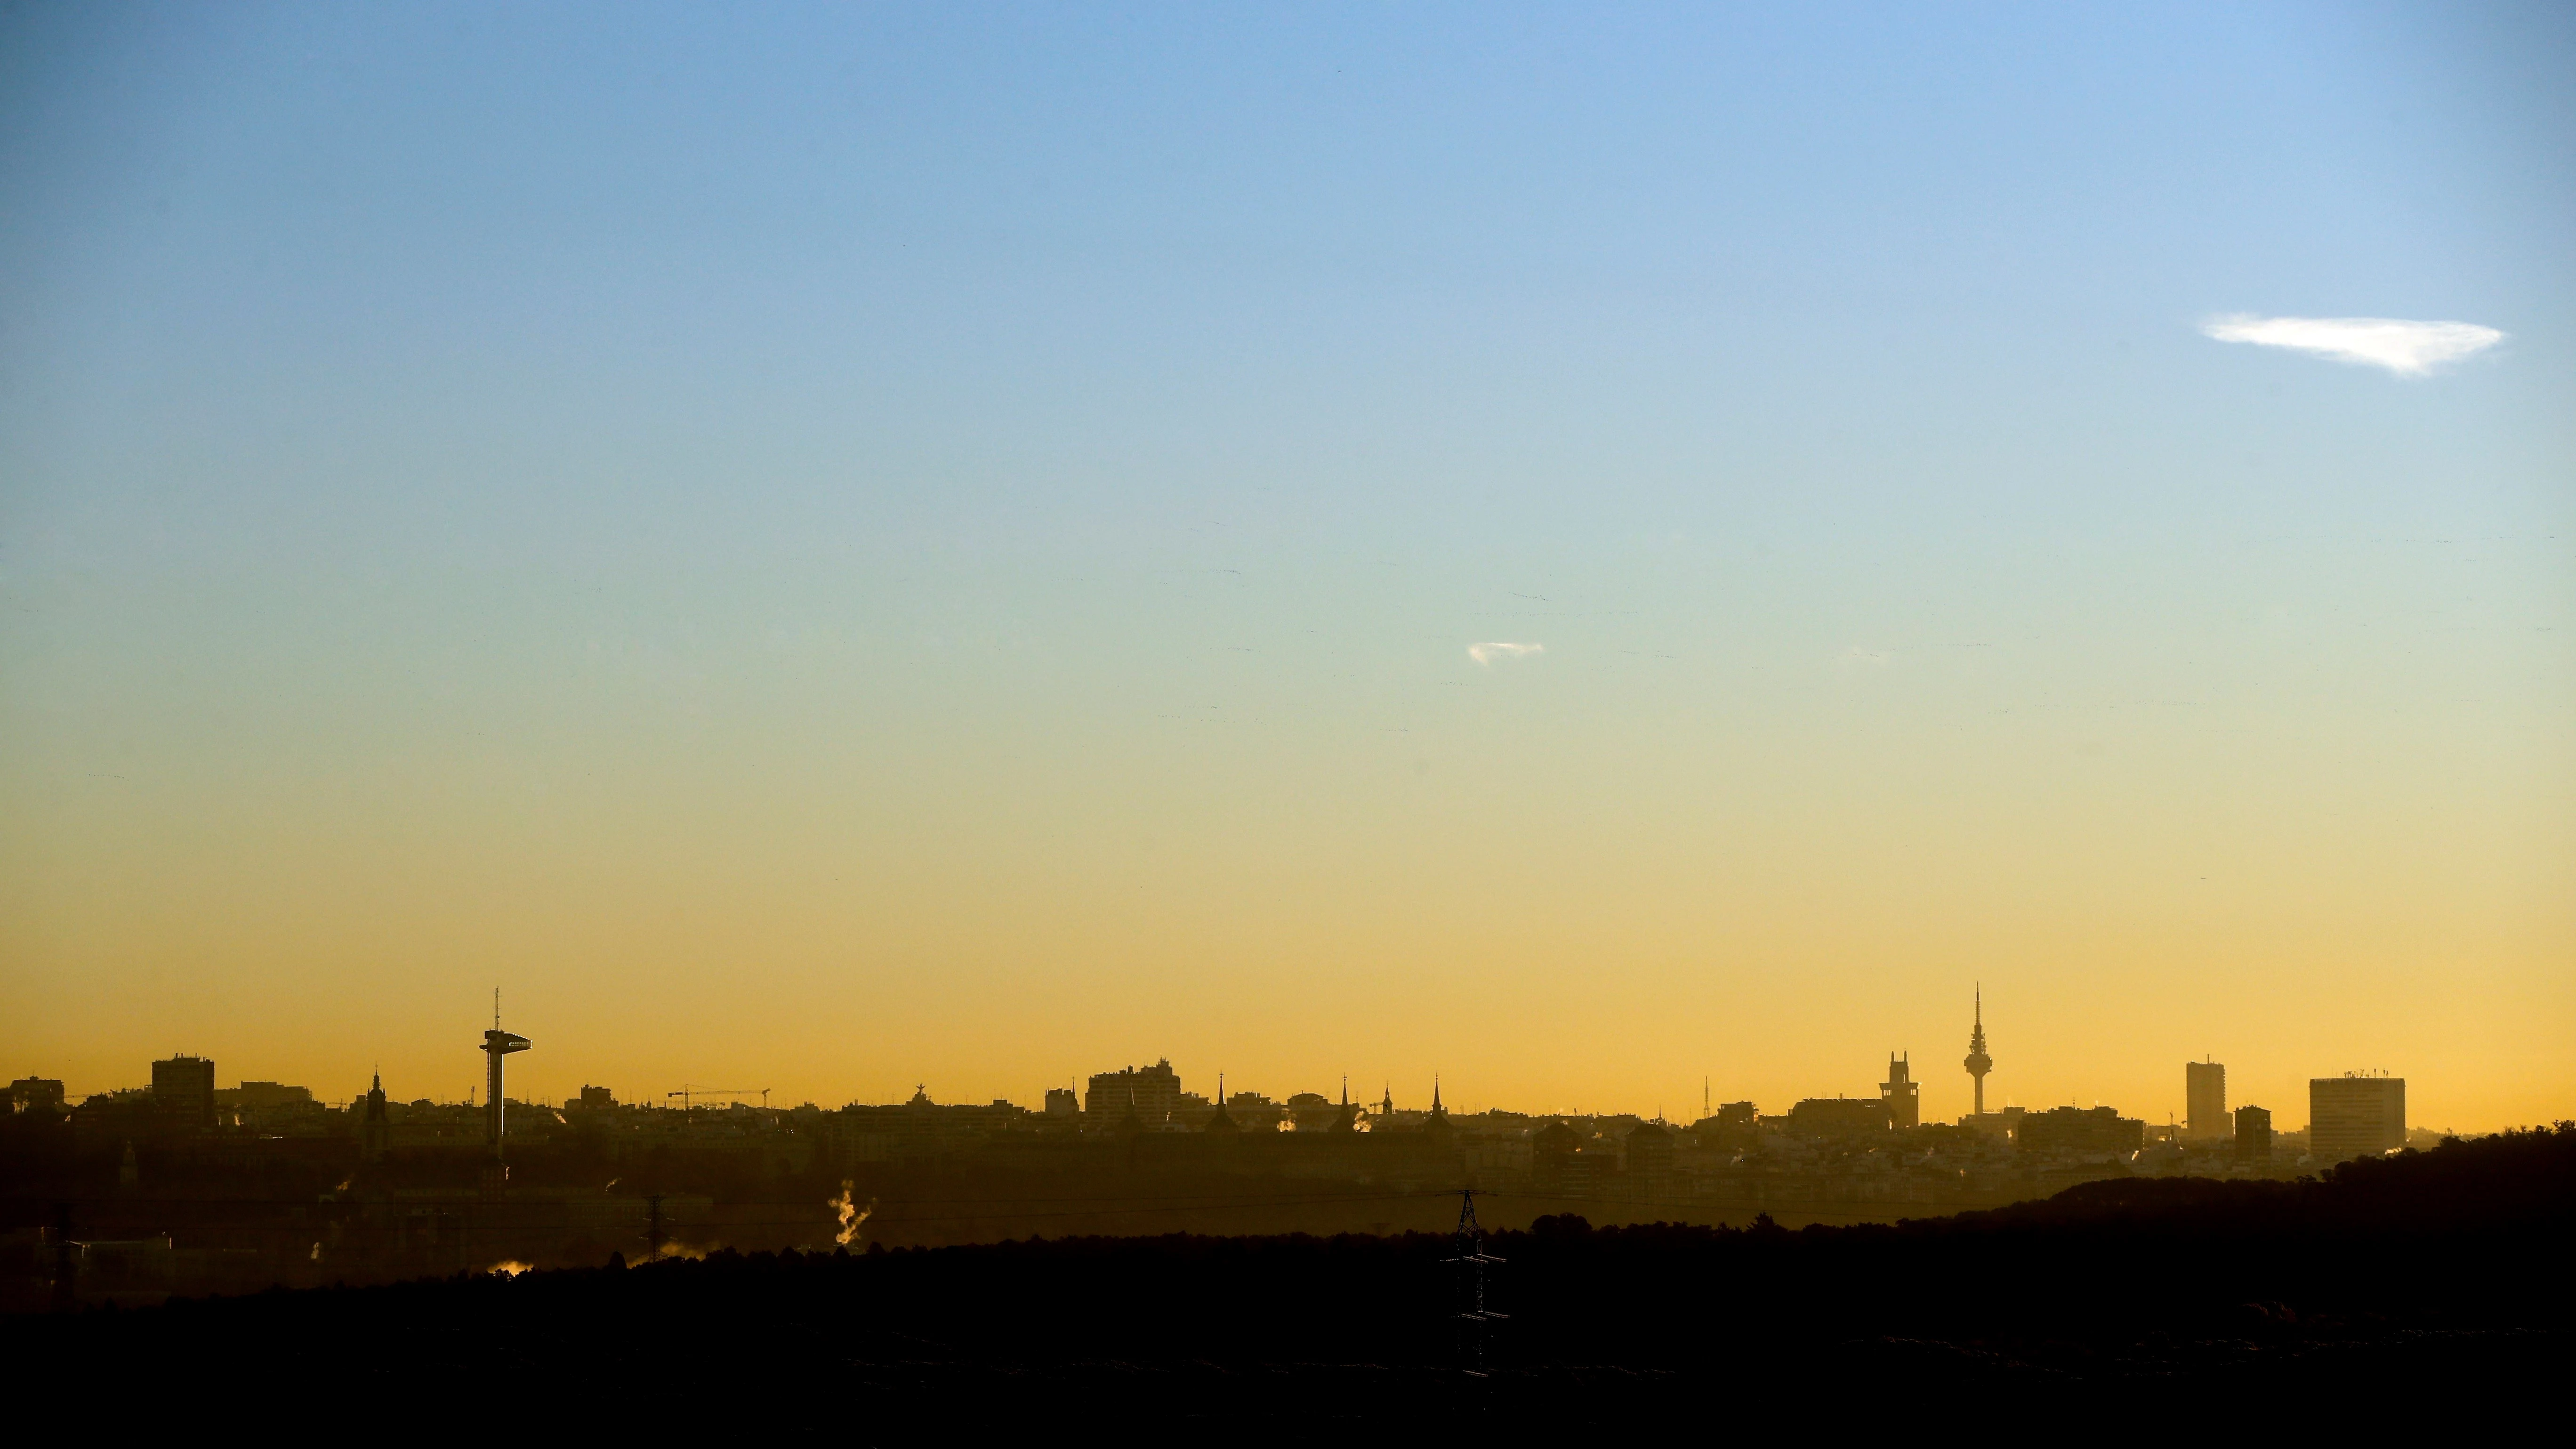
(1437, 1119)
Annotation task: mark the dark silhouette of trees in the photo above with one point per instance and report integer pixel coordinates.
(2407, 1269)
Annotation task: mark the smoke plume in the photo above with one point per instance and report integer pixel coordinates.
(852, 1215)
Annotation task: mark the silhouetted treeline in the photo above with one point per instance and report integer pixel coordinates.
(2417, 1275)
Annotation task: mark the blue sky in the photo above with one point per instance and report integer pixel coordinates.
(407, 410)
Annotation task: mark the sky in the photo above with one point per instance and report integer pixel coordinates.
(1601, 553)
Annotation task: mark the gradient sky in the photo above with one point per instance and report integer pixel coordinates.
(836, 548)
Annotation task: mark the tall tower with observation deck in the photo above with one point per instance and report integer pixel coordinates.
(1978, 1063)
(497, 1044)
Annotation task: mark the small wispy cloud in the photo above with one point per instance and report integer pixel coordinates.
(1499, 649)
(2409, 349)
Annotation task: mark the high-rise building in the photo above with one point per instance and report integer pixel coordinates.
(183, 1091)
(2204, 1087)
(1903, 1094)
(2253, 1134)
(1978, 1063)
(1153, 1092)
(1061, 1102)
(496, 1045)
(2355, 1116)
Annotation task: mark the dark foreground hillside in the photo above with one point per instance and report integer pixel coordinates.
(2430, 1282)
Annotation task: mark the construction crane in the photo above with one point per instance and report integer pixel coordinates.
(687, 1092)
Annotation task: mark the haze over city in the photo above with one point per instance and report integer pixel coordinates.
(1581, 553)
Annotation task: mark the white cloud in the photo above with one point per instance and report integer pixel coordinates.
(2410, 349)
(1488, 653)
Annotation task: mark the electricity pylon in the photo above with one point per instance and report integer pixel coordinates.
(1471, 1261)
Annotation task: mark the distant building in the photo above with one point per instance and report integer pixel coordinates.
(2081, 1131)
(2253, 1134)
(1062, 1102)
(596, 1097)
(1838, 1116)
(104, 1119)
(1588, 1173)
(375, 1129)
(1154, 1093)
(1312, 1111)
(2355, 1116)
(2004, 1123)
(2205, 1100)
(1552, 1149)
(1733, 1125)
(1902, 1094)
(263, 1097)
(916, 1129)
(183, 1090)
(1649, 1153)
(1254, 1112)
(37, 1094)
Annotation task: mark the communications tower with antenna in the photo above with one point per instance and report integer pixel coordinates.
(1978, 1063)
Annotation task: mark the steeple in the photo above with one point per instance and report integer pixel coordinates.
(375, 1128)
(1978, 1063)
(1222, 1123)
(1437, 1119)
(1345, 1122)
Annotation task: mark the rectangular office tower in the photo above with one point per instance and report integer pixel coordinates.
(183, 1088)
(2205, 1100)
(2253, 1134)
(2355, 1116)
